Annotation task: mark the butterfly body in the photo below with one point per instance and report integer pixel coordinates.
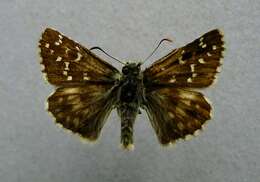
(130, 97)
(88, 88)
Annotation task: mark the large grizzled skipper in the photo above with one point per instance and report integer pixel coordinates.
(88, 88)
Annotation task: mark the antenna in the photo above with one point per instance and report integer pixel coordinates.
(98, 48)
(168, 40)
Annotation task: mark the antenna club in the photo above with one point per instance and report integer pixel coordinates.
(165, 39)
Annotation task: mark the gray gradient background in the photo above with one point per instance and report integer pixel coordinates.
(33, 149)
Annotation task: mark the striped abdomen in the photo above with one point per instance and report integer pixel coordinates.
(127, 112)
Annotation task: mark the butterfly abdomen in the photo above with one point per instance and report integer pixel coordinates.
(127, 112)
(128, 109)
(127, 133)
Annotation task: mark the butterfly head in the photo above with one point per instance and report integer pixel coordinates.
(131, 69)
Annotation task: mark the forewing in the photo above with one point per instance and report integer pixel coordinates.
(194, 65)
(81, 109)
(67, 62)
(176, 113)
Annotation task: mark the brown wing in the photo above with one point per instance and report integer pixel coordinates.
(82, 109)
(176, 113)
(174, 110)
(194, 65)
(85, 94)
(66, 62)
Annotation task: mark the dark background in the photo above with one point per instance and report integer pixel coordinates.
(33, 148)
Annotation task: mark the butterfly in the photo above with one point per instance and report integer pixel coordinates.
(88, 88)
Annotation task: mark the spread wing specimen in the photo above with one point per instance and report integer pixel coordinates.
(85, 93)
(174, 110)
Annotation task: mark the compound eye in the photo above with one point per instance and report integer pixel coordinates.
(125, 70)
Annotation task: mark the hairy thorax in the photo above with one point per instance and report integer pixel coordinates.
(130, 83)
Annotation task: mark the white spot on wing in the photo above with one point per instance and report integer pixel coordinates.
(57, 43)
(181, 61)
(47, 45)
(192, 67)
(46, 106)
(65, 73)
(67, 65)
(189, 80)
(173, 79)
(194, 75)
(42, 67)
(197, 132)
(214, 47)
(187, 95)
(201, 60)
(71, 90)
(69, 78)
(66, 50)
(45, 77)
(59, 58)
(78, 56)
(209, 54)
(171, 115)
(85, 78)
(218, 69)
(188, 137)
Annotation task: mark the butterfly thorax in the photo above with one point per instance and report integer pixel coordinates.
(130, 81)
